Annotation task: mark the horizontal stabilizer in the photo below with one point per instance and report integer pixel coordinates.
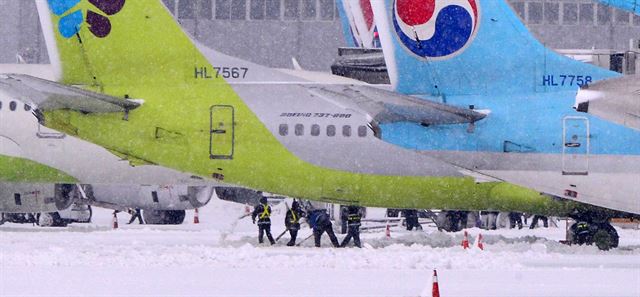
(390, 107)
(49, 95)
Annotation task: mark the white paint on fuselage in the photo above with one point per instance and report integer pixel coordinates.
(619, 191)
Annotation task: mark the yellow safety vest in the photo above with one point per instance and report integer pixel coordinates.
(265, 213)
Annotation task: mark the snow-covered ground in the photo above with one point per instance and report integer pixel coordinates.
(221, 257)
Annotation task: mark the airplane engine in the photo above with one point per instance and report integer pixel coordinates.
(149, 197)
(35, 198)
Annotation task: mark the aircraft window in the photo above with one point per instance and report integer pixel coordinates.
(346, 131)
(519, 8)
(308, 9)
(257, 9)
(636, 20)
(283, 129)
(551, 12)
(291, 9)
(569, 13)
(362, 131)
(0, 105)
(27, 107)
(586, 13)
(299, 130)
(535, 12)
(315, 130)
(331, 130)
(327, 9)
(186, 9)
(205, 9)
(622, 17)
(604, 14)
(13, 105)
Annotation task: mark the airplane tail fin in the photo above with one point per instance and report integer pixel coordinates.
(632, 6)
(119, 42)
(462, 47)
(357, 23)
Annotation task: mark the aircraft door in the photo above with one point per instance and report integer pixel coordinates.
(221, 132)
(575, 148)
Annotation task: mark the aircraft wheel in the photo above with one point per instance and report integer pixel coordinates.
(177, 216)
(163, 217)
(449, 221)
(50, 219)
(606, 237)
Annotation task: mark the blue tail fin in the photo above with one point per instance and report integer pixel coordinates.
(632, 6)
(464, 47)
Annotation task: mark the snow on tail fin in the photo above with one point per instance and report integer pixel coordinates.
(357, 23)
(120, 42)
(464, 47)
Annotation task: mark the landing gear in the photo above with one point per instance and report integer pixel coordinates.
(602, 234)
(50, 219)
(163, 217)
(452, 221)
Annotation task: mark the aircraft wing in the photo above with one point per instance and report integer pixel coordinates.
(50, 95)
(616, 100)
(388, 107)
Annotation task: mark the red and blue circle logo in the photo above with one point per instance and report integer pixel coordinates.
(435, 29)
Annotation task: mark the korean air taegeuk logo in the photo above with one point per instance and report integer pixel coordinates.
(435, 29)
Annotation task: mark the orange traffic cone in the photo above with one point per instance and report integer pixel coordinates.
(435, 291)
(479, 243)
(196, 219)
(465, 240)
(388, 231)
(115, 220)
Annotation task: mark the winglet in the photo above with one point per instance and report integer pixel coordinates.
(296, 64)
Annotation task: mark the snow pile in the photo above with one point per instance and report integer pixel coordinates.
(220, 256)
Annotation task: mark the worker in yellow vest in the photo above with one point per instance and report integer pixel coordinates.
(263, 212)
(292, 221)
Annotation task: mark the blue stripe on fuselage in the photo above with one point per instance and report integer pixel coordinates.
(533, 123)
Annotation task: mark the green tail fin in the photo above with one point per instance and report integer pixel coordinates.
(119, 43)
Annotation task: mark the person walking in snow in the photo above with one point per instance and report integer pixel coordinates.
(534, 221)
(292, 221)
(263, 212)
(353, 223)
(135, 213)
(320, 222)
(411, 219)
(515, 218)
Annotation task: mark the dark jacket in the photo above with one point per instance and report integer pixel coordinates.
(353, 216)
(263, 212)
(319, 218)
(292, 218)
